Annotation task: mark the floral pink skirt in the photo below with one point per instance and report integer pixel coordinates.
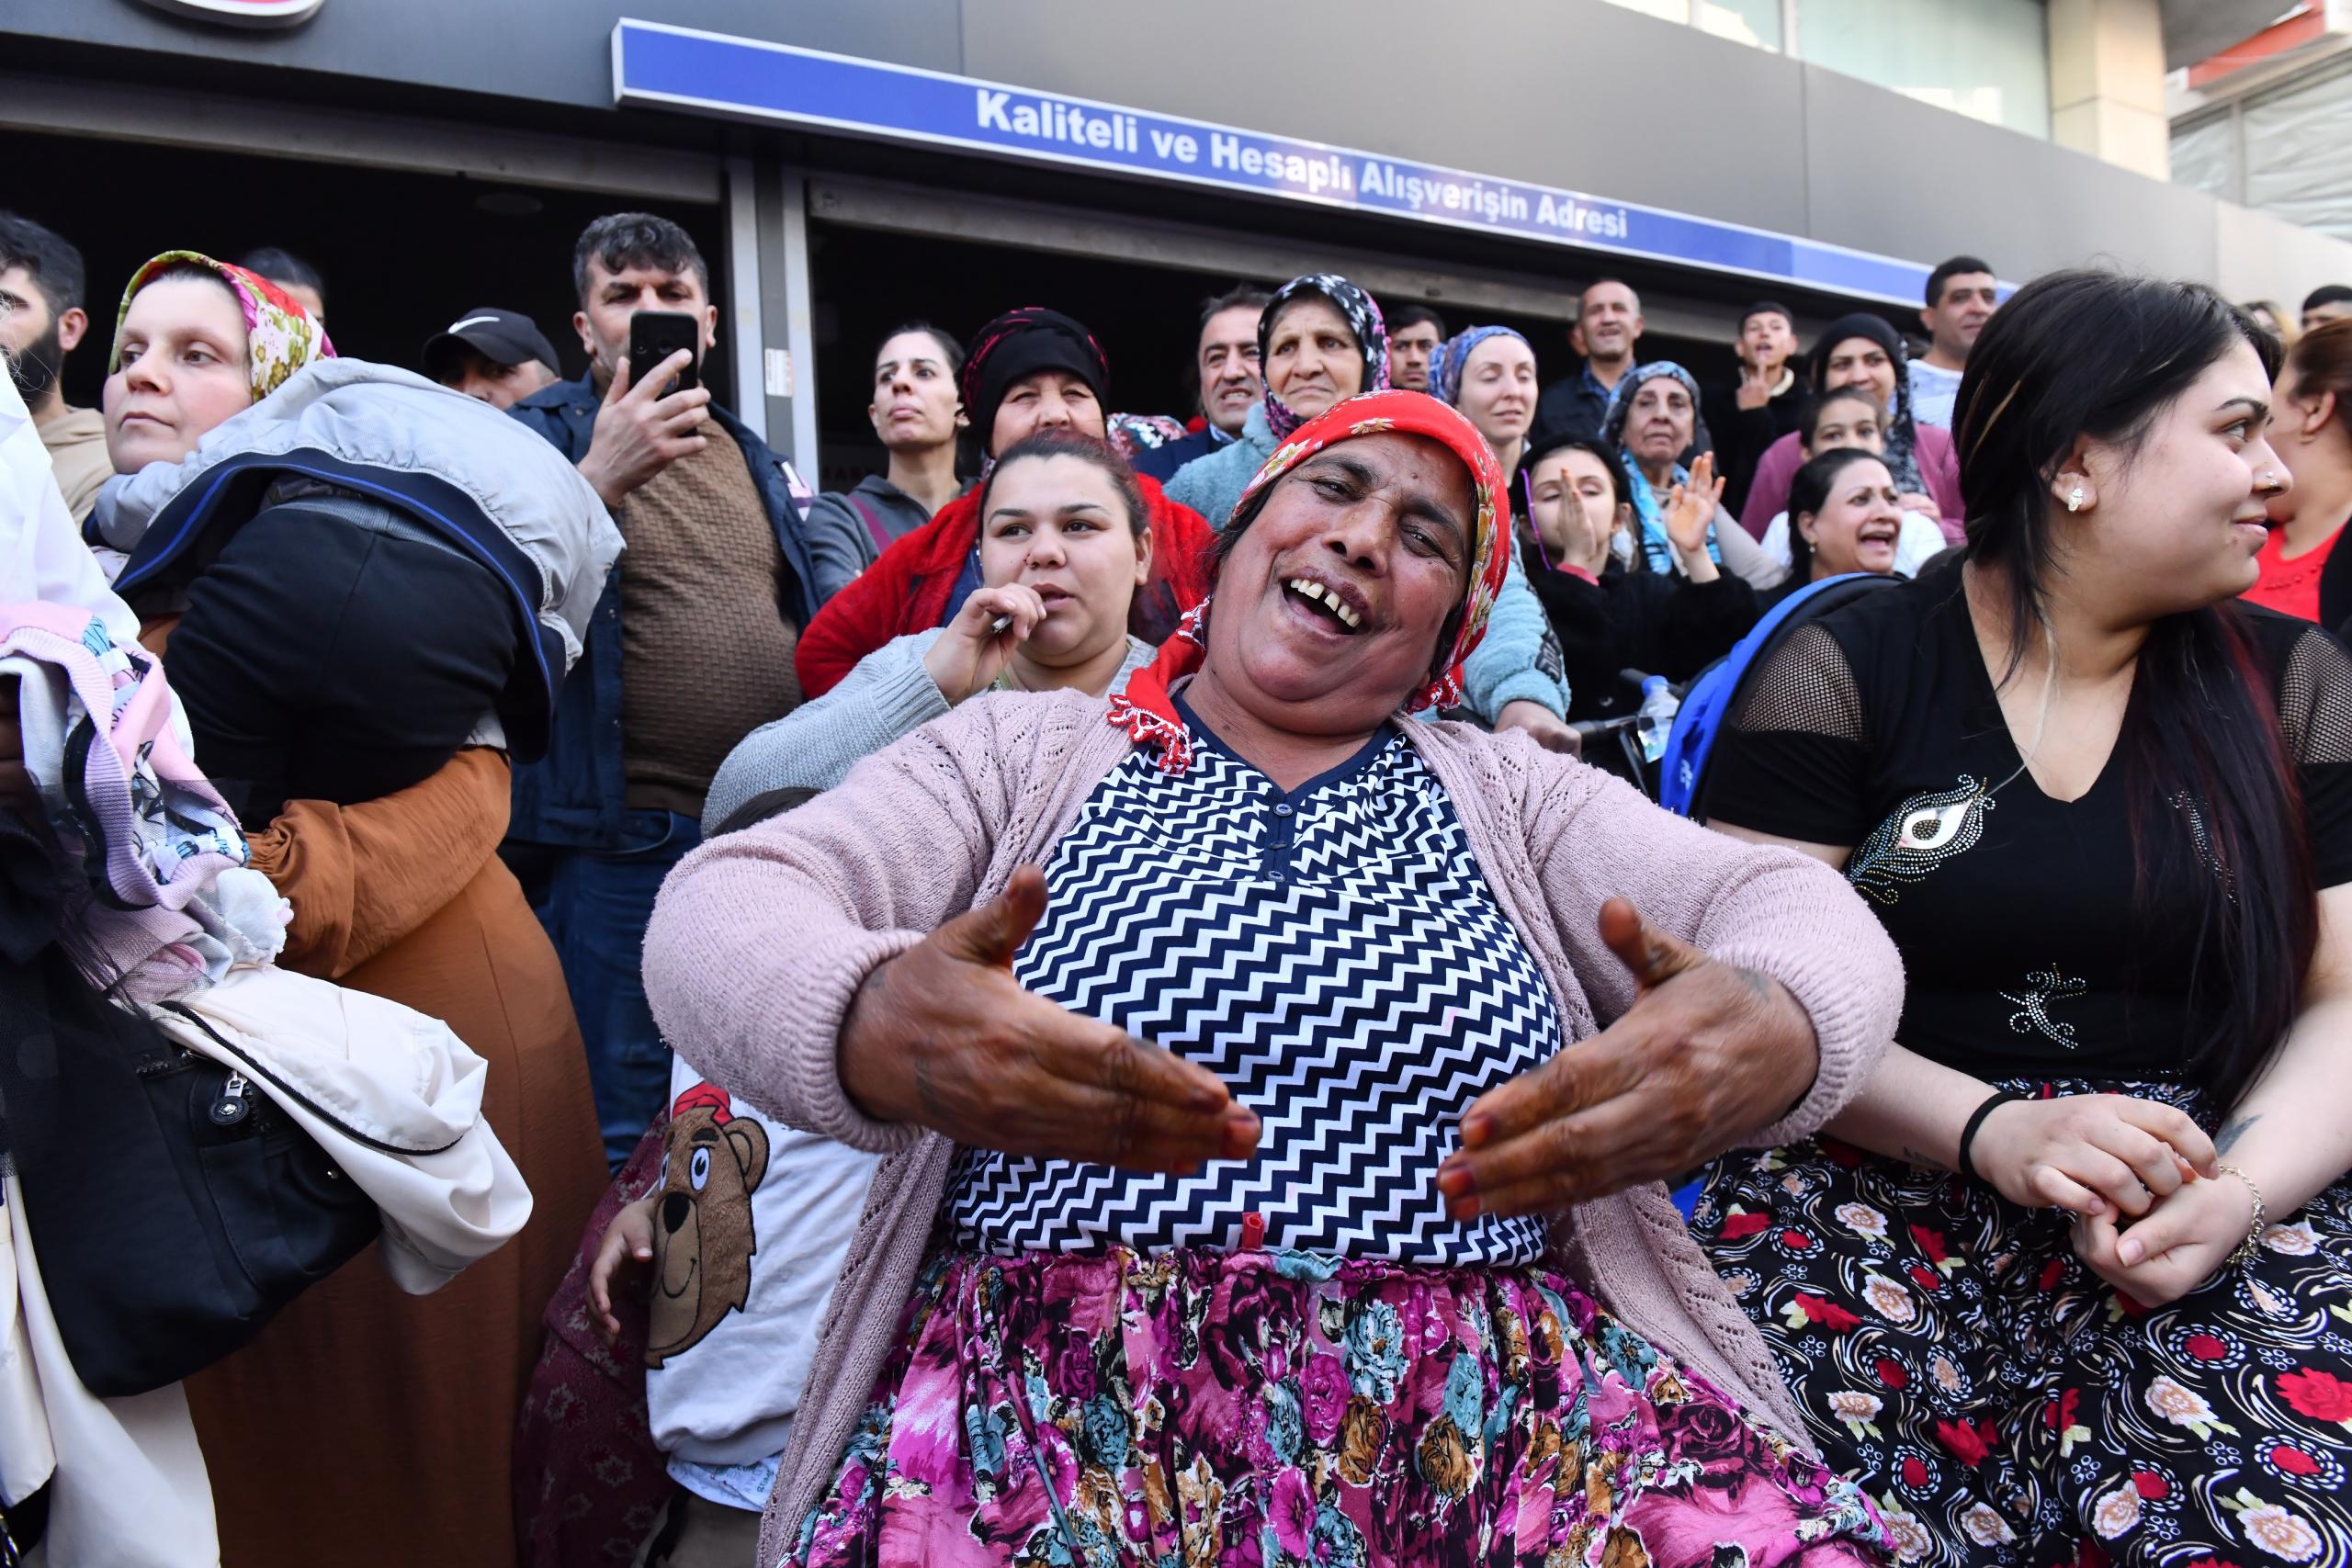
(1258, 1409)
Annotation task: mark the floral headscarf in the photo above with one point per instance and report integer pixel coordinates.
(1452, 358)
(280, 336)
(1146, 710)
(1355, 306)
(1658, 550)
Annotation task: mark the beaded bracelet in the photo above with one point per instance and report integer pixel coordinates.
(2245, 1251)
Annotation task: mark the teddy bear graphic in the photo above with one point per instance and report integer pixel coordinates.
(703, 1238)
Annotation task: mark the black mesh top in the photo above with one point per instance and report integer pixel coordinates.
(2029, 943)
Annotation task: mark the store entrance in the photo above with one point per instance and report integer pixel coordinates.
(867, 281)
(404, 255)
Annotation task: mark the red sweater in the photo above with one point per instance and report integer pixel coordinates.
(907, 590)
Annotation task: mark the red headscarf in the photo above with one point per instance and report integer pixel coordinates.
(1146, 710)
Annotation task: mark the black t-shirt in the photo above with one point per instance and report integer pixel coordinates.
(2026, 946)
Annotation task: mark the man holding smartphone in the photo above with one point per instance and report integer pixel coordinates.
(690, 648)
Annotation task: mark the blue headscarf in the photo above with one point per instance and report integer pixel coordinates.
(1451, 357)
(1658, 550)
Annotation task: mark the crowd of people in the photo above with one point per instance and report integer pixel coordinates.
(1074, 1002)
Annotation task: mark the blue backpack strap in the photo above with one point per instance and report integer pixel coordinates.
(1683, 771)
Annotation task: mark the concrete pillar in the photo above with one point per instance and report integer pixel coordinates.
(2107, 83)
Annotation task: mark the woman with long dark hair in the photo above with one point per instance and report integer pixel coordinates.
(2104, 811)
(1610, 615)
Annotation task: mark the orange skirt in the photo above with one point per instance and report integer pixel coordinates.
(368, 1427)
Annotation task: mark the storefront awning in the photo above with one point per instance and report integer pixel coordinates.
(659, 65)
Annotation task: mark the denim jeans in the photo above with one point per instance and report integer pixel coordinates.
(595, 904)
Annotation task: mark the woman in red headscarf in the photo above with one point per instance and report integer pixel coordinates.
(1351, 1261)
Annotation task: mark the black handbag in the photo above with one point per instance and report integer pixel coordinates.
(174, 1209)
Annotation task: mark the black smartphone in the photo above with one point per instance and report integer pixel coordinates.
(655, 336)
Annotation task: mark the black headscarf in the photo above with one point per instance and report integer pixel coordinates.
(1022, 343)
(1901, 435)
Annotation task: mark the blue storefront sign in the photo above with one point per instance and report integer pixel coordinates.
(745, 78)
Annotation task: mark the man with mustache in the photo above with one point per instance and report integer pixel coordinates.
(1962, 296)
(42, 321)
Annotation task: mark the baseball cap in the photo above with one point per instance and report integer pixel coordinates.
(504, 337)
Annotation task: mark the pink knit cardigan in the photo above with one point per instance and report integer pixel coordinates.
(762, 937)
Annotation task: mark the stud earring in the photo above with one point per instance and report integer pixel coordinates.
(2074, 499)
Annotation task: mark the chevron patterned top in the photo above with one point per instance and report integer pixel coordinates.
(1334, 953)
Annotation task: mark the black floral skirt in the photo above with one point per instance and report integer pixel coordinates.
(2003, 1405)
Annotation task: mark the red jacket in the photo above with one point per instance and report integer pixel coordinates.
(907, 590)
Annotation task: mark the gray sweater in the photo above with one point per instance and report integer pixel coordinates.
(890, 695)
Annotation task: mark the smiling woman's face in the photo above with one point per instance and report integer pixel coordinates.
(1499, 389)
(1329, 609)
(1859, 525)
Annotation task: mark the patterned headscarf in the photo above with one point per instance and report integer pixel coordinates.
(1902, 433)
(280, 336)
(1658, 550)
(1355, 306)
(1452, 358)
(1146, 710)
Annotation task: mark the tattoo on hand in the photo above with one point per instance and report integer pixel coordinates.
(2232, 1131)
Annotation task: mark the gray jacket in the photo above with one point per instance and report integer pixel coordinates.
(872, 501)
(888, 696)
(1212, 485)
(434, 453)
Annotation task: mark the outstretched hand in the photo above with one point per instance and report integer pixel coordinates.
(1706, 1054)
(1691, 506)
(943, 1036)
